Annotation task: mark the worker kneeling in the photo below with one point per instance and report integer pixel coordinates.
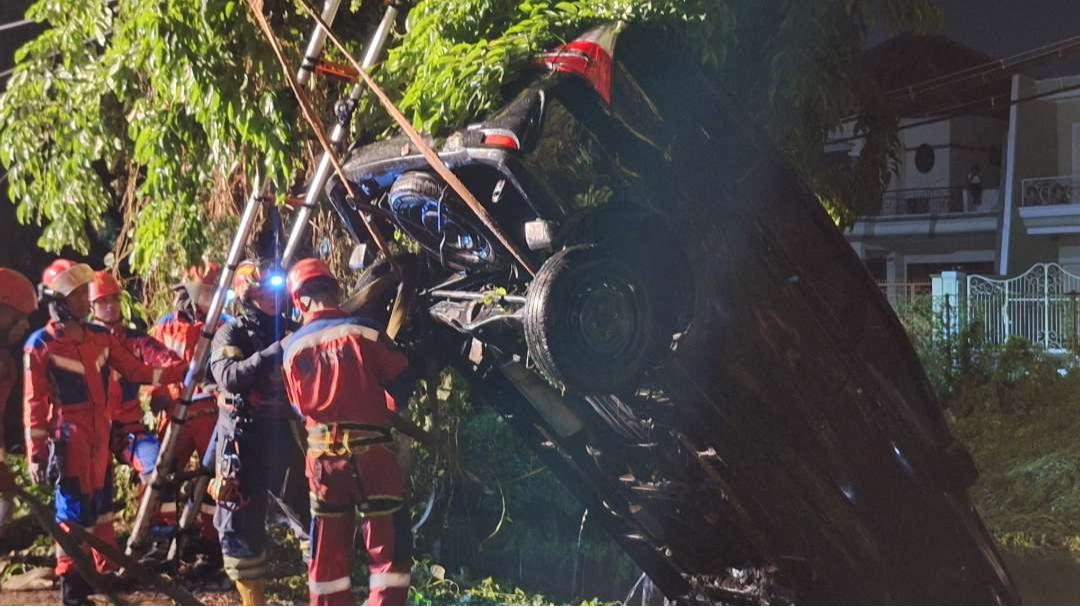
(337, 372)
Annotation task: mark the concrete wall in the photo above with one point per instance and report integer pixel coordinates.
(1069, 252)
(1068, 114)
(977, 140)
(936, 136)
(958, 144)
(1032, 152)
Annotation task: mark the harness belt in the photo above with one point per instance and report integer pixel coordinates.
(341, 439)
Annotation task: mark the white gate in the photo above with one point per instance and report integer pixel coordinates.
(1040, 305)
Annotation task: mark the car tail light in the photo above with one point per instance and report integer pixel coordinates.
(501, 138)
(589, 57)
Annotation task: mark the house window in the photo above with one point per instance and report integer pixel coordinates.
(924, 158)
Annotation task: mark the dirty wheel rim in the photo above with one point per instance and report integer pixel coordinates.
(606, 316)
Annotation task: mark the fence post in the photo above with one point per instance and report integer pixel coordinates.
(948, 298)
(1074, 342)
(1045, 307)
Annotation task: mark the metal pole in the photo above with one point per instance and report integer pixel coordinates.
(1073, 343)
(325, 167)
(318, 41)
(1046, 307)
(163, 476)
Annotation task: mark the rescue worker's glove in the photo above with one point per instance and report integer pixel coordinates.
(7, 479)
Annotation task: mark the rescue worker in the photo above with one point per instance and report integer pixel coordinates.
(338, 370)
(131, 442)
(258, 443)
(17, 302)
(66, 414)
(179, 331)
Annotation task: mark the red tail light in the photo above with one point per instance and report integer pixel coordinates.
(501, 138)
(589, 57)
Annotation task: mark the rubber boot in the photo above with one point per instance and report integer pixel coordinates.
(252, 592)
(74, 590)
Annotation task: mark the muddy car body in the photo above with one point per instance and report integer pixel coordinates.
(701, 357)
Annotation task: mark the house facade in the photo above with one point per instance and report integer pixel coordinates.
(1041, 203)
(931, 218)
(1022, 209)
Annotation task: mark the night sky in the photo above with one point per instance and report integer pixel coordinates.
(1000, 28)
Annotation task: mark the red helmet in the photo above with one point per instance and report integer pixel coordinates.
(17, 291)
(64, 276)
(303, 271)
(104, 285)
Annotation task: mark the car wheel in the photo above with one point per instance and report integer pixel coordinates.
(590, 321)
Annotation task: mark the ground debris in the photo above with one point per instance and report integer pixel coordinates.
(38, 578)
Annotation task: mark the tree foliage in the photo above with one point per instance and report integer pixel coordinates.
(162, 111)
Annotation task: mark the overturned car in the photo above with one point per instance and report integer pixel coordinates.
(699, 355)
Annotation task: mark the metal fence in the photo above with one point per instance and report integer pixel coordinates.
(901, 294)
(1040, 306)
(937, 201)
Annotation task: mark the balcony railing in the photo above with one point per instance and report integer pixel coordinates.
(1050, 191)
(937, 201)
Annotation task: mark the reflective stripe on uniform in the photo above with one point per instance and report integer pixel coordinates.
(380, 505)
(245, 568)
(176, 345)
(155, 379)
(101, 360)
(323, 588)
(229, 352)
(389, 580)
(32, 433)
(207, 509)
(322, 509)
(328, 335)
(168, 508)
(108, 517)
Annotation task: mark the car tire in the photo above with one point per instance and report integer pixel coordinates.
(590, 322)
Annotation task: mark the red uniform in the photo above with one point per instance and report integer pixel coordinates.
(132, 442)
(16, 293)
(337, 372)
(180, 334)
(65, 407)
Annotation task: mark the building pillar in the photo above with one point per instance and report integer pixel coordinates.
(949, 301)
(895, 274)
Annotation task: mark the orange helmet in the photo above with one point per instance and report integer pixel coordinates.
(17, 291)
(104, 285)
(247, 275)
(64, 276)
(303, 271)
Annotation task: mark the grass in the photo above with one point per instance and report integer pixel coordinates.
(1029, 463)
